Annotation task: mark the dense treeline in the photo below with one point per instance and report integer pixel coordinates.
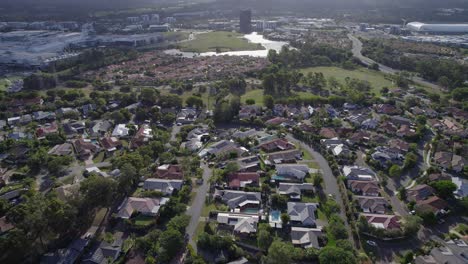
(309, 55)
(447, 73)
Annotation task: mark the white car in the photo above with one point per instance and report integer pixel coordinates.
(371, 243)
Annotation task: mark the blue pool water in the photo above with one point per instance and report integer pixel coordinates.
(275, 215)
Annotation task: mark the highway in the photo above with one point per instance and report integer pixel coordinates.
(357, 53)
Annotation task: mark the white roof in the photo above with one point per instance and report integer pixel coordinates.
(120, 130)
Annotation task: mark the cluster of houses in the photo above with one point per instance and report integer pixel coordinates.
(363, 183)
(240, 191)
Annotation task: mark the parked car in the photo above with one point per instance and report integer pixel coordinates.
(371, 243)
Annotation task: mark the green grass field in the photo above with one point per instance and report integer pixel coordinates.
(256, 94)
(218, 41)
(376, 79)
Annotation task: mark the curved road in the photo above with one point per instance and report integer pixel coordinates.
(357, 52)
(331, 184)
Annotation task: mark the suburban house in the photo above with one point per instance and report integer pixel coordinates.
(46, 129)
(85, 149)
(306, 237)
(449, 161)
(144, 206)
(65, 149)
(358, 173)
(383, 221)
(387, 127)
(110, 144)
(288, 156)
(291, 172)
(398, 145)
(87, 109)
(434, 204)
(242, 179)
(240, 223)
(222, 149)
(462, 187)
(372, 204)
(249, 111)
(196, 138)
(419, 192)
(169, 171)
(278, 144)
(276, 121)
(69, 254)
(100, 128)
(239, 201)
(240, 134)
(187, 116)
(41, 116)
(105, 251)
(74, 128)
(302, 214)
(327, 132)
(251, 164)
(365, 188)
(142, 136)
(386, 156)
(164, 186)
(386, 109)
(294, 190)
(120, 131)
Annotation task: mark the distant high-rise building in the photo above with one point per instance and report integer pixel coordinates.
(245, 21)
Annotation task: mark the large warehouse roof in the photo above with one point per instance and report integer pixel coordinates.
(447, 28)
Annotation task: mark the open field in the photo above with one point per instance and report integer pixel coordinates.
(218, 41)
(376, 79)
(256, 94)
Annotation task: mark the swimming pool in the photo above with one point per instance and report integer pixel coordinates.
(275, 215)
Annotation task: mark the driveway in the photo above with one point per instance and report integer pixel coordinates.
(197, 205)
(175, 130)
(357, 52)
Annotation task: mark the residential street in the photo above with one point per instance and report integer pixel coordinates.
(197, 205)
(331, 185)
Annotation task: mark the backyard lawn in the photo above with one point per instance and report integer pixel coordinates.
(218, 41)
(142, 220)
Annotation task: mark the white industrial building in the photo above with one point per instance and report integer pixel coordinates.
(438, 28)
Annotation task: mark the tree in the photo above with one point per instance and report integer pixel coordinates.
(98, 191)
(280, 253)
(337, 228)
(264, 239)
(410, 160)
(269, 101)
(250, 101)
(411, 224)
(335, 255)
(285, 219)
(194, 101)
(394, 171)
(278, 201)
(148, 96)
(179, 223)
(444, 189)
(426, 214)
(128, 178)
(317, 180)
(171, 242)
(231, 167)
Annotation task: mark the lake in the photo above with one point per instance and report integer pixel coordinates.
(253, 38)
